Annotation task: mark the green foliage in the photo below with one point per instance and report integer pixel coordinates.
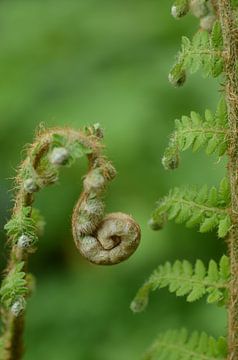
(22, 223)
(75, 148)
(196, 132)
(186, 280)
(14, 285)
(63, 94)
(202, 52)
(193, 206)
(178, 345)
(207, 208)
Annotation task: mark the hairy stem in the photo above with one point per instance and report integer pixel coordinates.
(230, 39)
(102, 240)
(14, 338)
(14, 326)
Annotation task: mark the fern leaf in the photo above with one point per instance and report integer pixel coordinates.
(202, 52)
(184, 279)
(194, 131)
(22, 223)
(177, 344)
(14, 285)
(193, 206)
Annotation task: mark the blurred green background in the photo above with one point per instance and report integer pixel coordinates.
(80, 62)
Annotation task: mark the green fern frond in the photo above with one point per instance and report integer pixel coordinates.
(14, 286)
(178, 345)
(184, 279)
(22, 223)
(202, 52)
(76, 149)
(193, 206)
(196, 132)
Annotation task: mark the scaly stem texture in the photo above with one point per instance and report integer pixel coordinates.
(230, 39)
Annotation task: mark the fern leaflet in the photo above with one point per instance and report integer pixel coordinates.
(193, 206)
(178, 345)
(22, 223)
(193, 131)
(14, 285)
(186, 280)
(203, 51)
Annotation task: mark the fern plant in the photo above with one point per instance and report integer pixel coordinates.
(214, 50)
(101, 239)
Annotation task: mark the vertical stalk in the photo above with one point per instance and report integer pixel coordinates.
(14, 326)
(14, 342)
(230, 39)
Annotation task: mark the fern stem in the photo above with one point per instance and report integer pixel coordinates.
(14, 326)
(193, 204)
(182, 279)
(14, 338)
(230, 39)
(204, 131)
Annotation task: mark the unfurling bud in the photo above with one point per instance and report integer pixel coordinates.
(198, 8)
(170, 163)
(24, 242)
(94, 181)
(141, 300)
(177, 76)
(59, 156)
(179, 9)
(158, 224)
(30, 185)
(95, 129)
(170, 160)
(98, 130)
(207, 22)
(18, 306)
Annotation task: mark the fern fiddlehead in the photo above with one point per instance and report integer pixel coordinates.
(102, 240)
(213, 49)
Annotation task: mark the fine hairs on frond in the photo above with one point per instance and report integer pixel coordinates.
(116, 238)
(100, 239)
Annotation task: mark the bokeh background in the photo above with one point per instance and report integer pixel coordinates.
(80, 62)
